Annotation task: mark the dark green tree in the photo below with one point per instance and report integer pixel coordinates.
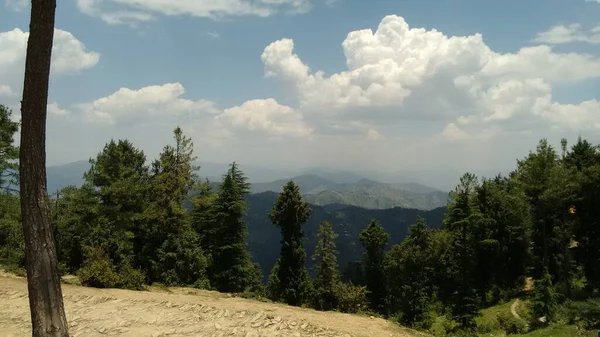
(374, 239)
(232, 268)
(203, 218)
(504, 243)
(120, 182)
(585, 159)
(289, 213)
(327, 278)
(12, 246)
(409, 270)
(170, 250)
(463, 221)
(9, 153)
(550, 188)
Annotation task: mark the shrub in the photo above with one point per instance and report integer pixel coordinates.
(584, 313)
(351, 298)
(131, 278)
(511, 324)
(442, 325)
(486, 324)
(97, 270)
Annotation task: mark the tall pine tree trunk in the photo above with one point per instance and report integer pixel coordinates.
(45, 294)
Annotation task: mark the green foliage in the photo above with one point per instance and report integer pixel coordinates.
(374, 239)
(9, 153)
(544, 298)
(510, 324)
(12, 243)
(504, 246)
(327, 277)
(463, 220)
(273, 287)
(170, 248)
(442, 326)
(409, 269)
(289, 213)
(585, 314)
(550, 189)
(351, 298)
(98, 270)
(232, 269)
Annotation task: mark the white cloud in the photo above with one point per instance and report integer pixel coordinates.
(146, 105)
(398, 73)
(213, 35)
(268, 116)
(17, 5)
(410, 98)
(561, 34)
(53, 109)
(133, 11)
(69, 56)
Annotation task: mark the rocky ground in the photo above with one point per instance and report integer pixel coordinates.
(182, 312)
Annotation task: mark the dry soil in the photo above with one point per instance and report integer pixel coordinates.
(182, 312)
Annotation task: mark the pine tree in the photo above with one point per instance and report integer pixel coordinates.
(12, 244)
(232, 268)
(409, 269)
(289, 213)
(550, 188)
(374, 239)
(585, 160)
(504, 242)
(327, 278)
(9, 153)
(203, 219)
(462, 221)
(119, 180)
(170, 250)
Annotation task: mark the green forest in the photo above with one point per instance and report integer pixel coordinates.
(533, 235)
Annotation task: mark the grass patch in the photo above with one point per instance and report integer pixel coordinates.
(559, 331)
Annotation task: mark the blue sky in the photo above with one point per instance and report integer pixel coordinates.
(411, 99)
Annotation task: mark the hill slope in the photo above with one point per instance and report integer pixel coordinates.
(363, 193)
(348, 221)
(182, 312)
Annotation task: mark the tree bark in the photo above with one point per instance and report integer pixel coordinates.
(43, 281)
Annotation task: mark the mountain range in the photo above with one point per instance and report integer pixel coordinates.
(324, 188)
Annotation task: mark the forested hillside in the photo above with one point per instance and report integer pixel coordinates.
(128, 226)
(347, 221)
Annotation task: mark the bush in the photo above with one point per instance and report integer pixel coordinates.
(585, 313)
(511, 324)
(442, 325)
(97, 270)
(487, 324)
(131, 278)
(351, 298)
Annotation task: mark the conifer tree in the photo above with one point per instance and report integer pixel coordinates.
(462, 221)
(9, 153)
(374, 239)
(409, 269)
(119, 181)
(170, 245)
(289, 213)
(232, 268)
(327, 278)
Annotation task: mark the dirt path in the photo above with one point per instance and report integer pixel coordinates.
(183, 312)
(513, 309)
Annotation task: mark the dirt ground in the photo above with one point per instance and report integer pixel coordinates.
(182, 312)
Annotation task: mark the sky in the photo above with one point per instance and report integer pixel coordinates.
(465, 85)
